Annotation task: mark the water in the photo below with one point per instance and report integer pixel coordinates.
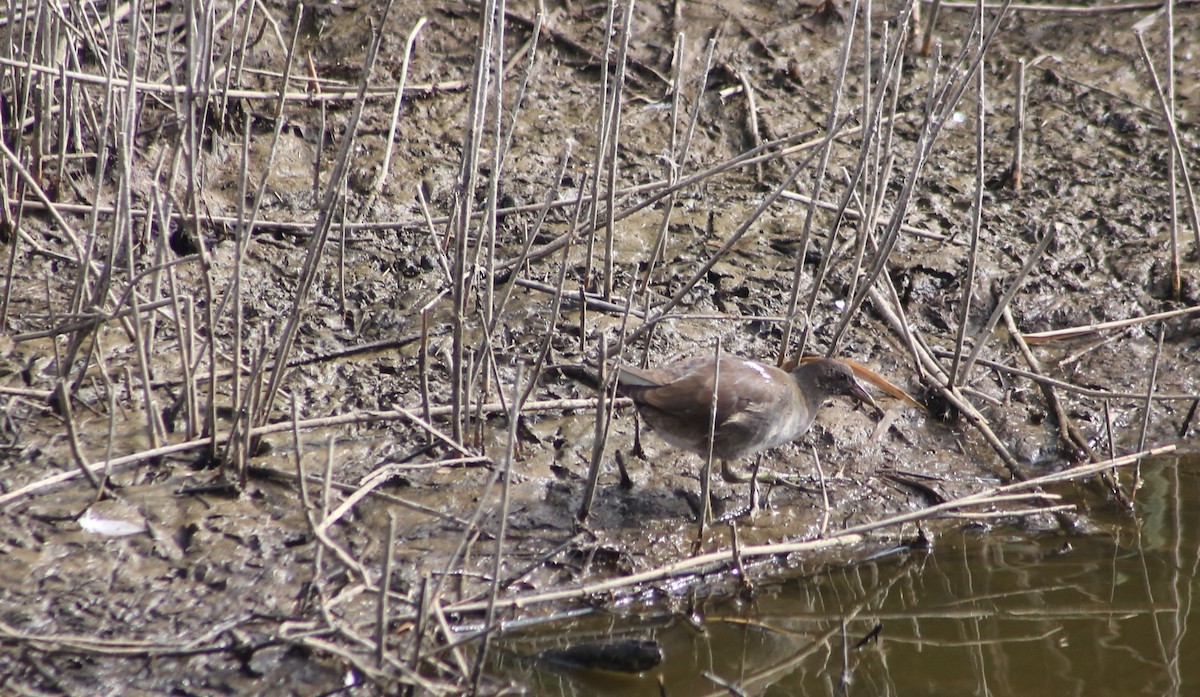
(991, 613)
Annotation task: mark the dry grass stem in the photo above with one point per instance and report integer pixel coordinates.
(1072, 332)
(561, 187)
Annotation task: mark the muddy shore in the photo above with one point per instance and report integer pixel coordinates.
(212, 569)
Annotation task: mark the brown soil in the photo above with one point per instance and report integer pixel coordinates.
(225, 587)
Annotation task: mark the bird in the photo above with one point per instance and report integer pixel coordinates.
(758, 406)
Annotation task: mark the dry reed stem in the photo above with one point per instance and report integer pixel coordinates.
(612, 145)
(486, 241)
(63, 398)
(385, 584)
(326, 541)
(555, 306)
(1072, 332)
(826, 509)
(245, 223)
(981, 338)
(870, 137)
(1178, 156)
(1148, 403)
(942, 100)
(385, 168)
(165, 89)
(308, 274)
(1070, 435)
(968, 283)
(514, 417)
(833, 123)
(600, 434)
(705, 514)
(753, 130)
(523, 255)
(930, 25)
(603, 131)
(459, 222)
(1018, 161)
(674, 162)
(715, 561)
(1080, 10)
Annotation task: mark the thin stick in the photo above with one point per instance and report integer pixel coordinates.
(752, 127)
(1068, 432)
(385, 583)
(487, 234)
(1078, 10)
(826, 151)
(64, 404)
(826, 511)
(555, 307)
(551, 195)
(514, 418)
(420, 627)
(981, 338)
(672, 166)
(1072, 332)
(1019, 132)
(720, 559)
(613, 145)
(1167, 111)
(1187, 420)
(397, 103)
(954, 377)
(308, 273)
(602, 132)
(458, 224)
(423, 369)
(1168, 104)
(1149, 402)
(706, 471)
(599, 437)
(927, 44)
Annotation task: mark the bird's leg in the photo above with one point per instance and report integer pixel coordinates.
(626, 481)
(730, 475)
(637, 438)
(754, 486)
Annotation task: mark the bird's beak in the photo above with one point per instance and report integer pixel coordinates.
(857, 391)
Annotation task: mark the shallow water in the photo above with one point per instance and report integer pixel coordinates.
(998, 614)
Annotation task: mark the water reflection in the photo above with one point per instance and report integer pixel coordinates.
(997, 614)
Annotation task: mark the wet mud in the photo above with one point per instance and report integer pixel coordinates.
(184, 578)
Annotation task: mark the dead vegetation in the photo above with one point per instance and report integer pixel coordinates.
(281, 291)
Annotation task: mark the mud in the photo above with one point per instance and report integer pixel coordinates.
(210, 586)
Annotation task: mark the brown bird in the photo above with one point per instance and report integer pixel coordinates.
(758, 406)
